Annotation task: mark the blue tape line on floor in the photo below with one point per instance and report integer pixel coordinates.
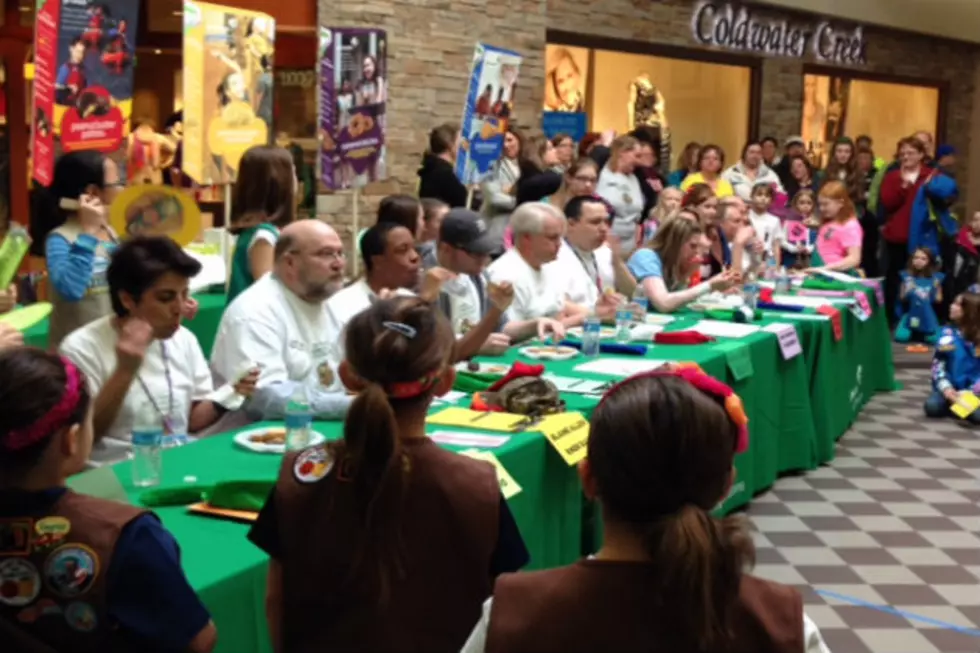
(900, 613)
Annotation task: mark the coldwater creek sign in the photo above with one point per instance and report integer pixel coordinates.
(731, 26)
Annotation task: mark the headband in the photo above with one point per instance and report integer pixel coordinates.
(54, 419)
(708, 385)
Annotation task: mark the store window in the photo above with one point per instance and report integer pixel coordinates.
(836, 106)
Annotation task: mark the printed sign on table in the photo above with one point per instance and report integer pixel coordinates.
(353, 98)
(228, 61)
(84, 56)
(489, 103)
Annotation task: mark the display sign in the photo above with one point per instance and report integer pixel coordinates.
(489, 102)
(228, 82)
(146, 210)
(554, 123)
(84, 56)
(734, 27)
(353, 98)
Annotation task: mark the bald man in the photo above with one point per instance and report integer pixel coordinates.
(280, 323)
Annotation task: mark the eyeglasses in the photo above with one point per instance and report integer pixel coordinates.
(332, 256)
(586, 180)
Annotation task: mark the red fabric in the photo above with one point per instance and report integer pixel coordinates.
(897, 202)
(765, 295)
(517, 371)
(963, 240)
(681, 338)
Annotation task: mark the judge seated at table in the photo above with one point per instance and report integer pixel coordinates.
(540, 287)
(664, 267)
(463, 248)
(140, 362)
(280, 323)
(588, 264)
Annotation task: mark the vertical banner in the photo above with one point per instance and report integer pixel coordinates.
(228, 61)
(489, 103)
(84, 55)
(353, 97)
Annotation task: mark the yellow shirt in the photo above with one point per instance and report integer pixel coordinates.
(721, 187)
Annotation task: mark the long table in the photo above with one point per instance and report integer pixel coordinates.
(797, 409)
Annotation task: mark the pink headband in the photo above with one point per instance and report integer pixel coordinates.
(54, 419)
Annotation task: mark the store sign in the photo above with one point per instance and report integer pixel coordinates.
(731, 26)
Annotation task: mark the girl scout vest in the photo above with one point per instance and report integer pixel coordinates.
(449, 520)
(53, 576)
(66, 315)
(606, 606)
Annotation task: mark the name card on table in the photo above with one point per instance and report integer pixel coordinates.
(738, 357)
(835, 320)
(568, 433)
(789, 340)
(508, 486)
(862, 309)
(475, 419)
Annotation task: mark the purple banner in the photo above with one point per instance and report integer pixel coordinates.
(353, 97)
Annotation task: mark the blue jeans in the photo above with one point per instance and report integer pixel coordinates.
(937, 406)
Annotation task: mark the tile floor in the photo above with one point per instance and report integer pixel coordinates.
(884, 542)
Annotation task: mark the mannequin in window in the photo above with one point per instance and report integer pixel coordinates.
(143, 155)
(648, 108)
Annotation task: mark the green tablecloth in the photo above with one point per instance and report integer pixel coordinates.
(204, 325)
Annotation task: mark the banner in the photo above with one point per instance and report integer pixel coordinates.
(489, 102)
(228, 61)
(353, 97)
(147, 210)
(84, 55)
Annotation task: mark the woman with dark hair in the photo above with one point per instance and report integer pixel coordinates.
(564, 149)
(801, 176)
(370, 88)
(711, 161)
(749, 171)
(669, 576)
(842, 167)
(437, 176)
(540, 173)
(500, 185)
(263, 202)
(46, 435)
(72, 226)
(140, 361)
(687, 163)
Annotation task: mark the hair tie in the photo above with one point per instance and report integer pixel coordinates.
(402, 328)
(54, 419)
(411, 389)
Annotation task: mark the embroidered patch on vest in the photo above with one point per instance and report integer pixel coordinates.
(325, 373)
(312, 465)
(71, 569)
(81, 617)
(20, 582)
(43, 608)
(15, 537)
(50, 532)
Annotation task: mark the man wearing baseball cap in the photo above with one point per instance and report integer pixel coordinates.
(463, 249)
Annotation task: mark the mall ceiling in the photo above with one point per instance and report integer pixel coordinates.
(957, 19)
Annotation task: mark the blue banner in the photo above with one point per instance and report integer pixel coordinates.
(559, 122)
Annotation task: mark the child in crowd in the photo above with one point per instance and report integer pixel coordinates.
(667, 205)
(800, 231)
(669, 576)
(966, 263)
(766, 225)
(921, 290)
(78, 573)
(955, 365)
(373, 536)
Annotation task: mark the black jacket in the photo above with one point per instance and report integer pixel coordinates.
(438, 180)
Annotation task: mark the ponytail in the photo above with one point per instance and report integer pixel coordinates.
(700, 560)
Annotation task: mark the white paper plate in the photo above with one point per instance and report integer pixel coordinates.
(485, 368)
(244, 440)
(605, 333)
(550, 352)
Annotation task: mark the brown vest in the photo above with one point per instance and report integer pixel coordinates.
(594, 607)
(53, 576)
(448, 531)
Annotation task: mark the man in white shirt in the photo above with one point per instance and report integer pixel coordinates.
(588, 265)
(540, 289)
(463, 247)
(140, 363)
(280, 323)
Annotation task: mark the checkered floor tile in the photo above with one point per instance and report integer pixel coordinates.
(884, 542)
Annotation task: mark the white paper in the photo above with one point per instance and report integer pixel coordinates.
(450, 397)
(719, 329)
(644, 332)
(467, 439)
(799, 316)
(656, 318)
(789, 341)
(576, 385)
(838, 276)
(801, 300)
(620, 367)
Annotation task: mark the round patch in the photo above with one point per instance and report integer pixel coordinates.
(325, 373)
(312, 465)
(81, 617)
(20, 582)
(71, 569)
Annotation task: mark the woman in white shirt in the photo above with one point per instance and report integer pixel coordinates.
(621, 189)
(500, 185)
(751, 170)
(140, 362)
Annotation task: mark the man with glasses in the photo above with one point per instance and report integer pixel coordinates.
(280, 324)
(463, 248)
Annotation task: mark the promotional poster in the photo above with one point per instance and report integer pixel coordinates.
(489, 102)
(148, 210)
(353, 97)
(84, 57)
(228, 82)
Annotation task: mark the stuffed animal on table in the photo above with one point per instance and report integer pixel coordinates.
(921, 289)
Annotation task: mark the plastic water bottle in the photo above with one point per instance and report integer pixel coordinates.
(591, 335)
(299, 420)
(624, 322)
(640, 299)
(772, 271)
(147, 461)
(750, 292)
(783, 282)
